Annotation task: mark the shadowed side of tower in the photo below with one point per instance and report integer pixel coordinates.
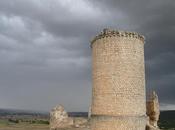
(118, 74)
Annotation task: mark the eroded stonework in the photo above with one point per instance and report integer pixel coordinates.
(89, 113)
(153, 111)
(59, 118)
(118, 81)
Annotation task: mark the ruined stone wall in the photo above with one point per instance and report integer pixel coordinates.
(118, 81)
(153, 110)
(59, 118)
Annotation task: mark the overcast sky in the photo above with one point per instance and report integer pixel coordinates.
(46, 57)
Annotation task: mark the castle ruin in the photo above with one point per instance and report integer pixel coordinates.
(118, 74)
(152, 111)
(59, 118)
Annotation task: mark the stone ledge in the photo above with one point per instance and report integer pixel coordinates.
(116, 33)
(104, 117)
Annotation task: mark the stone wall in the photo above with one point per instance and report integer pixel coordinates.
(59, 118)
(118, 79)
(153, 110)
(118, 123)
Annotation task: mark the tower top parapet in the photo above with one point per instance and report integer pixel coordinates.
(113, 33)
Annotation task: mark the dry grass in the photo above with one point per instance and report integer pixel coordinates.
(23, 126)
(6, 125)
(34, 127)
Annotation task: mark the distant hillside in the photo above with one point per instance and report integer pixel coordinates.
(7, 112)
(78, 114)
(22, 114)
(167, 119)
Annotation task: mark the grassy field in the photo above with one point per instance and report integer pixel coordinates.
(6, 125)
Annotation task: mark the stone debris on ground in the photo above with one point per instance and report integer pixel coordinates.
(59, 119)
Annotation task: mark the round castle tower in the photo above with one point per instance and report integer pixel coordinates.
(118, 96)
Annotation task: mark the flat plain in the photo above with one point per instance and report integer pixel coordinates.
(4, 125)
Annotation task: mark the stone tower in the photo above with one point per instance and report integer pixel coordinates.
(118, 94)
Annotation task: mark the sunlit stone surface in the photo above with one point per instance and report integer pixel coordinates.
(118, 98)
(59, 118)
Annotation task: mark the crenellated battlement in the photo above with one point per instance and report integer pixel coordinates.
(114, 33)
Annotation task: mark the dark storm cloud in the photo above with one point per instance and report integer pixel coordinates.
(44, 48)
(156, 20)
